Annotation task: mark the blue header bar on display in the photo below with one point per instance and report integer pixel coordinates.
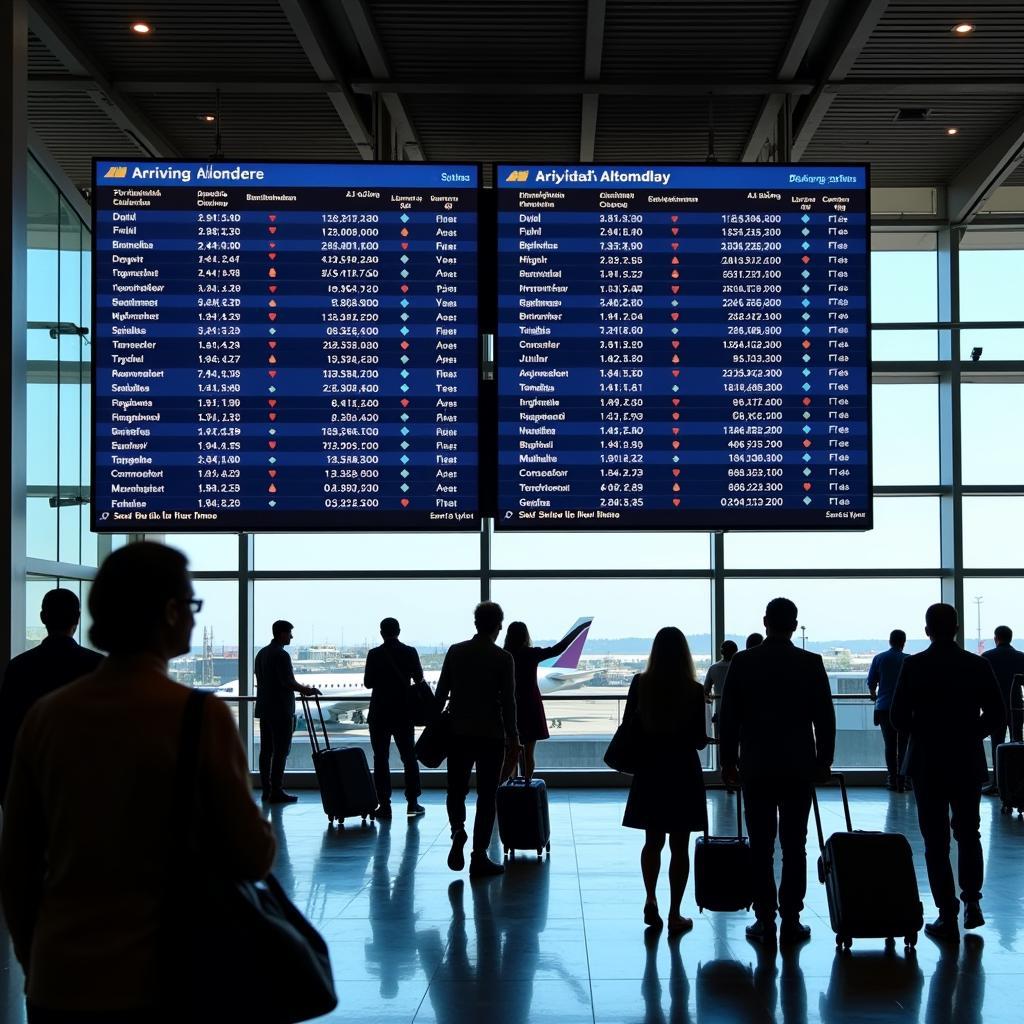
(285, 175)
(704, 176)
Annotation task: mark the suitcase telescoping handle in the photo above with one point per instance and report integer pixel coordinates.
(739, 816)
(310, 728)
(846, 809)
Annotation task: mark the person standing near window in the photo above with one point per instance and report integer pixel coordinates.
(390, 668)
(275, 708)
(882, 676)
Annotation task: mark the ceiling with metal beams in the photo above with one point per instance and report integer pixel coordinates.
(565, 80)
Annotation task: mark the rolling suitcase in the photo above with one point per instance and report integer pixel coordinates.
(870, 882)
(346, 786)
(721, 868)
(523, 819)
(1010, 776)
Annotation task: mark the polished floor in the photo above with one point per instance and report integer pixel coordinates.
(561, 940)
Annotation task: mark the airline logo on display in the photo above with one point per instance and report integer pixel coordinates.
(518, 176)
(116, 172)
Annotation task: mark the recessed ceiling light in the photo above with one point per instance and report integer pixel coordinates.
(141, 28)
(208, 118)
(964, 28)
(952, 131)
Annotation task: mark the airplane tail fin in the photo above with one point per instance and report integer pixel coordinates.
(571, 658)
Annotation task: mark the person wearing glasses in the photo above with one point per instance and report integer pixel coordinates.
(57, 661)
(89, 837)
(275, 708)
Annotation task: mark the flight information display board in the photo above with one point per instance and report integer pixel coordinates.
(285, 346)
(683, 347)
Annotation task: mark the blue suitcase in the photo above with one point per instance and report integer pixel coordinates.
(524, 822)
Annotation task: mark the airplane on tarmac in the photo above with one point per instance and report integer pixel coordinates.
(554, 675)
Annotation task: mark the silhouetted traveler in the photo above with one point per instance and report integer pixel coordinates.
(666, 796)
(53, 664)
(778, 733)
(530, 716)
(754, 640)
(89, 823)
(717, 672)
(478, 682)
(390, 669)
(882, 676)
(275, 708)
(947, 700)
(1008, 664)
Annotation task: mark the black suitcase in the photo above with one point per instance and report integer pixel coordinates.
(523, 819)
(870, 882)
(346, 786)
(721, 869)
(1010, 776)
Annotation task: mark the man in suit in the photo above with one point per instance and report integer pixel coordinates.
(57, 661)
(390, 668)
(947, 700)
(275, 708)
(777, 735)
(1008, 664)
(478, 682)
(882, 676)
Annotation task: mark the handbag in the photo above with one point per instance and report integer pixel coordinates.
(217, 928)
(421, 703)
(623, 753)
(432, 747)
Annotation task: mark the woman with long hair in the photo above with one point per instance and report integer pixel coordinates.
(532, 721)
(666, 797)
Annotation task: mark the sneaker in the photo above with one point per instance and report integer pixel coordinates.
(943, 928)
(457, 856)
(481, 866)
(383, 813)
(761, 931)
(792, 931)
(279, 796)
(973, 917)
(415, 809)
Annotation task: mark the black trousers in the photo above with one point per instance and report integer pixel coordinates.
(942, 804)
(895, 743)
(380, 739)
(778, 807)
(275, 745)
(488, 755)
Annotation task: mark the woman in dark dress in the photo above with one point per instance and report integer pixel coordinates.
(532, 721)
(666, 797)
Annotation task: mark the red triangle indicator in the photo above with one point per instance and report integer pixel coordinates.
(404, 232)
(272, 230)
(675, 261)
(675, 289)
(675, 472)
(271, 255)
(273, 416)
(405, 245)
(272, 344)
(675, 231)
(272, 360)
(806, 343)
(807, 487)
(675, 431)
(272, 303)
(675, 217)
(405, 403)
(272, 316)
(272, 402)
(807, 401)
(272, 472)
(273, 245)
(676, 488)
(405, 503)
(807, 444)
(675, 416)
(675, 246)
(272, 489)
(273, 444)
(272, 272)
(675, 501)
(405, 288)
(272, 287)
(675, 373)
(675, 343)
(675, 316)
(675, 273)
(675, 359)
(272, 216)
(675, 401)
(805, 259)
(675, 444)
(273, 373)
(405, 344)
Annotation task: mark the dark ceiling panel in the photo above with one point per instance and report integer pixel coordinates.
(446, 39)
(654, 38)
(861, 128)
(40, 60)
(75, 130)
(191, 39)
(913, 39)
(303, 127)
(654, 128)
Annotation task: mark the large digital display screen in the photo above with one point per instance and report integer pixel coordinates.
(285, 346)
(683, 347)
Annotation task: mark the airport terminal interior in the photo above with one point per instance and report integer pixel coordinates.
(623, 314)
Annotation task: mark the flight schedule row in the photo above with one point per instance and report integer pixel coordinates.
(683, 347)
(285, 346)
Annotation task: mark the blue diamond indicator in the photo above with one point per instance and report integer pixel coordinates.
(404, 218)
(805, 386)
(805, 316)
(806, 457)
(805, 288)
(404, 460)
(272, 389)
(806, 429)
(805, 274)
(273, 330)
(405, 472)
(405, 302)
(675, 302)
(807, 415)
(806, 358)
(807, 501)
(404, 388)
(805, 302)
(806, 219)
(405, 273)
(405, 359)
(273, 430)
(675, 387)
(404, 331)
(405, 374)
(405, 487)
(405, 259)
(806, 330)
(405, 417)
(404, 445)
(405, 316)
(805, 232)
(805, 245)
(807, 470)
(806, 372)
(272, 460)
(404, 431)
(272, 504)
(675, 458)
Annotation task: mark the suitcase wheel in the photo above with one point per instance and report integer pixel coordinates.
(547, 849)
(821, 870)
(363, 822)
(910, 941)
(844, 942)
(540, 853)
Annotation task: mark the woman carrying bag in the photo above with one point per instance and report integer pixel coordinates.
(664, 718)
